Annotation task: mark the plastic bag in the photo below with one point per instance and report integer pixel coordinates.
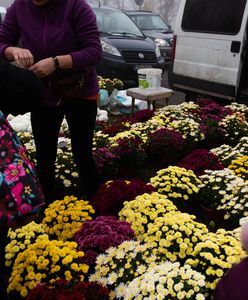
(104, 98)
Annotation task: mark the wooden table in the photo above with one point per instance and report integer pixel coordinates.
(149, 95)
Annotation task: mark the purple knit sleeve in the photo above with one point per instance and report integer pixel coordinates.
(88, 36)
(9, 30)
(220, 291)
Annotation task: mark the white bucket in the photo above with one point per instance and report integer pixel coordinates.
(149, 78)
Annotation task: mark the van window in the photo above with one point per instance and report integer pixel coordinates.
(213, 16)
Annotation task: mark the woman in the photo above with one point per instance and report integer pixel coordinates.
(21, 197)
(60, 44)
(233, 286)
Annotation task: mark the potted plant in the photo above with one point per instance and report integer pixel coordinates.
(96, 236)
(166, 145)
(63, 289)
(110, 197)
(200, 160)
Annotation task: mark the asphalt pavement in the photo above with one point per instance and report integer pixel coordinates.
(177, 98)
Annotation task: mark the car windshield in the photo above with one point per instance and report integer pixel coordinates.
(150, 22)
(115, 23)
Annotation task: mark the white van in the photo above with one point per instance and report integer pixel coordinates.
(210, 49)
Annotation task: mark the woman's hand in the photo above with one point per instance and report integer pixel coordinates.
(43, 67)
(23, 57)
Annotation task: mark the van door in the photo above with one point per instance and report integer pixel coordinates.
(209, 44)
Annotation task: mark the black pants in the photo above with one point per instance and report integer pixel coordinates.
(3, 242)
(46, 123)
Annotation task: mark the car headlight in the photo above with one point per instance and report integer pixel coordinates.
(157, 51)
(106, 47)
(161, 43)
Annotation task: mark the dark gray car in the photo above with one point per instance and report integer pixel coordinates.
(125, 48)
(153, 26)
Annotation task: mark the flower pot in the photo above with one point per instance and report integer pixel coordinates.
(217, 216)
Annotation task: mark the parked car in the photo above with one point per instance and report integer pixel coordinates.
(125, 48)
(154, 26)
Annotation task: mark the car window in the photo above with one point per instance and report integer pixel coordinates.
(115, 22)
(150, 22)
(213, 16)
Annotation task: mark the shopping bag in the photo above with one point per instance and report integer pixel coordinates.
(21, 196)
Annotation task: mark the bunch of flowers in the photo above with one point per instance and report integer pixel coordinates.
(100, 139)
(63, 218)
(242, 146)
(238, 107)
(118, 266)
(189, 107)
(215, 255)
(143, 129)
(110, 84)
(225, 154)
(66, 172)
(63, 289)
(144, 210)
(20, 238)
(190, 130)
(106, 163)
(210, 114)
(176, 183)
(25, 137)
(108, 200)
(204, 102)
(200, 160)
(178, 112)
(28, 143)
(213, 109)
(44, 262)
(210, 128)
(122, 124)
(234, 127)
(160, 120)
(217, 187)
(143, 115)
(64, 129)
(240, 167)
(174, 236)
(98, 235)
(235, 205)
(167, 281)
(129, 147)
(166, 142)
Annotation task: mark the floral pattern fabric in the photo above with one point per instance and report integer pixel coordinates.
(21, 196)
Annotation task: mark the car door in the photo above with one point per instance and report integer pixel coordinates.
(210, 39)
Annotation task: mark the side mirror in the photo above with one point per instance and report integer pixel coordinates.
(169, 27)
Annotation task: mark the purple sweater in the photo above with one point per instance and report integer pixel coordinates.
(234, 285)
(58, 28)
